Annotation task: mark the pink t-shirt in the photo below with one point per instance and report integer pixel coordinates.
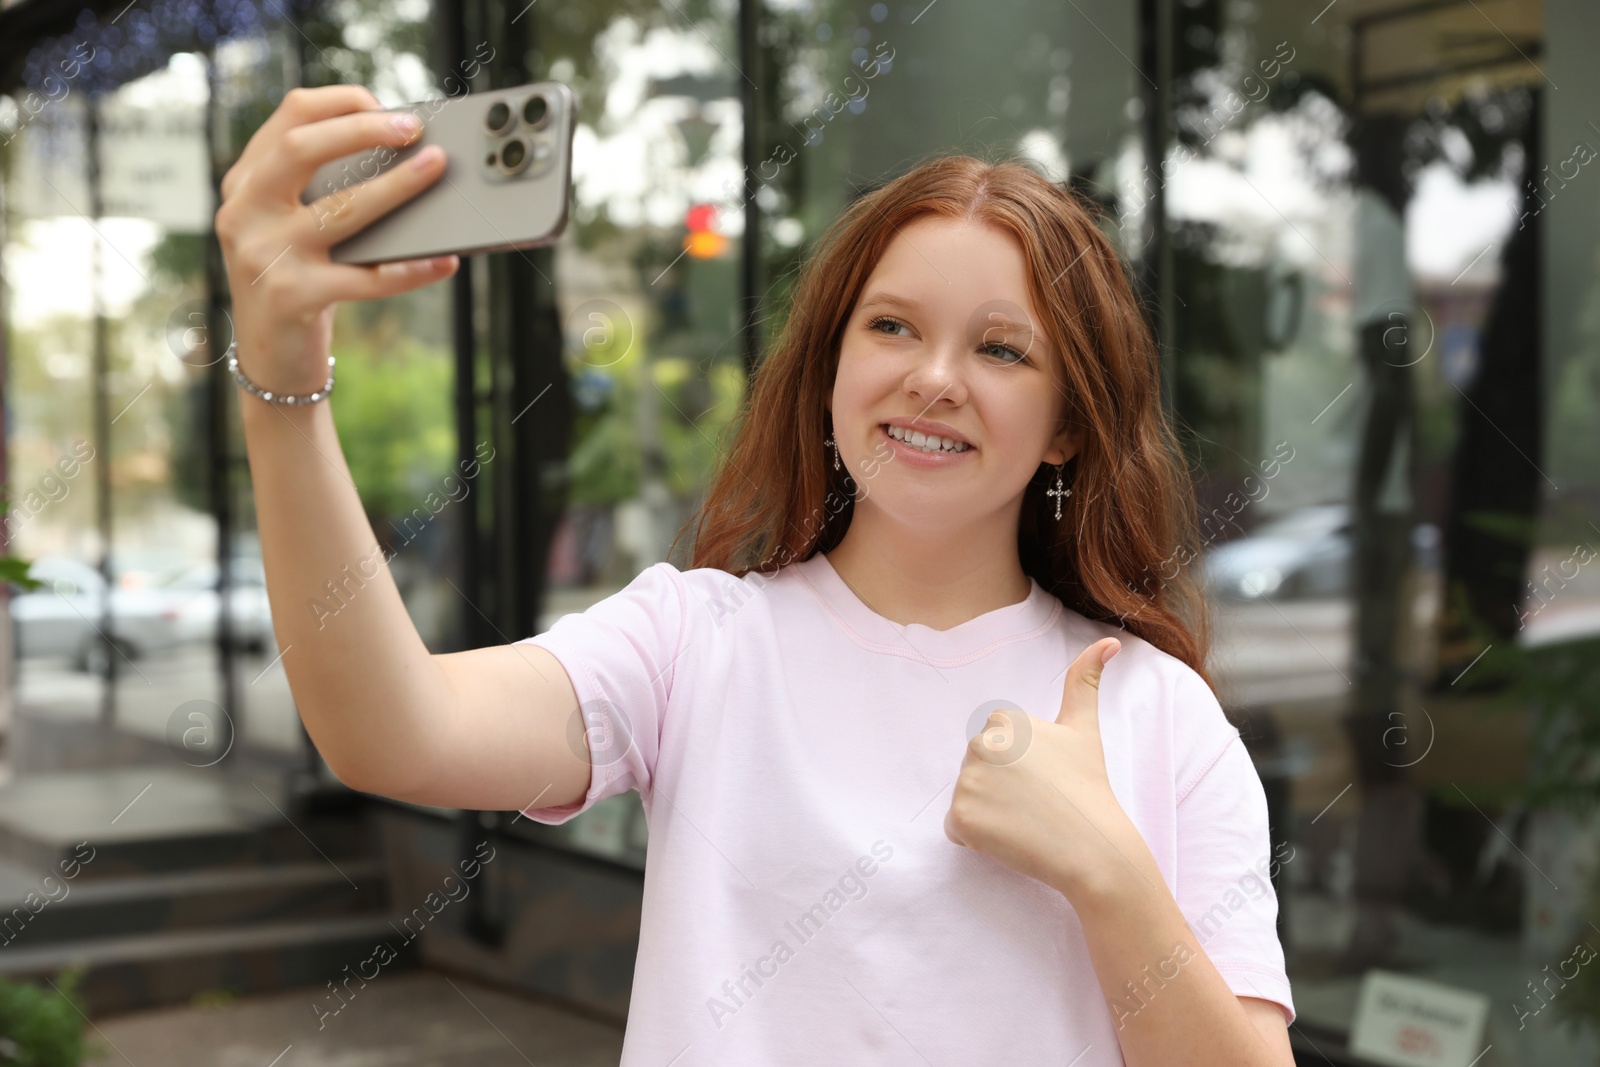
(796, 753)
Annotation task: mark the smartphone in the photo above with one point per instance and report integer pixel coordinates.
(507, 182)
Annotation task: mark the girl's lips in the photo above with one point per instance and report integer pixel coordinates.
(916, 457)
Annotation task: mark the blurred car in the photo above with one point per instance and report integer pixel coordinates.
(195, 594)
(1308, 552)
(1305, 553)
(64, 618)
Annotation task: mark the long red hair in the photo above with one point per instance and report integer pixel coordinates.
(1124, 548)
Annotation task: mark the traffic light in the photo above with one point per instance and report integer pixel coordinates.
(702, 241)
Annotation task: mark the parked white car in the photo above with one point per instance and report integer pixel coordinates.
(64, 617)
(1305, 553)
(195, 594)
(1309, 552)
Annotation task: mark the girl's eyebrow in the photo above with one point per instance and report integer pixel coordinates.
(891, 300)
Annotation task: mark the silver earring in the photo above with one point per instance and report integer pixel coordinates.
(831, 443)
(1057, 491)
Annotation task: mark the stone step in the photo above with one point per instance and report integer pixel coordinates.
(149, 970)
(36, 911)
(118, 822)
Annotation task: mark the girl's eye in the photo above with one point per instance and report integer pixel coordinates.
(1000, 351)
(1005, 353)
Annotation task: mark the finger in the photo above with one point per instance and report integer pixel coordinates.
(350, 282)
(340, 214)
(1080, 694)
(298, 107)
(302, 149)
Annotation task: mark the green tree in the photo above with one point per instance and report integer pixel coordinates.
(395, 420)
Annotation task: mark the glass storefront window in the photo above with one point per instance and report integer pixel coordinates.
(1362, 322)
(109, 170)
(649, 290)
(109, 198)
(51, 449)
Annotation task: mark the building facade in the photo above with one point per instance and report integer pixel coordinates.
(1366, 240)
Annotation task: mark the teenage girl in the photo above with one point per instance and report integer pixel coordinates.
(901, 809)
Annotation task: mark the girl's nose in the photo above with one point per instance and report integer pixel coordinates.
(937, 376)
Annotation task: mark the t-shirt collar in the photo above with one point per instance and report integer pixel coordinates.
(1027, 618)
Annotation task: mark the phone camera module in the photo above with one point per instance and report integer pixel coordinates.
(520, 137)
(536, 111)
(498, 119)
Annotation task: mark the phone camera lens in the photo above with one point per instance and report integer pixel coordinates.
(535, 111)
(514, 155)
(498, 118)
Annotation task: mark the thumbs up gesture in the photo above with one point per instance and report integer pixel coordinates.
(1035, 796)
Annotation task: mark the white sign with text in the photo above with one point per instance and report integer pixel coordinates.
(1408, 1022)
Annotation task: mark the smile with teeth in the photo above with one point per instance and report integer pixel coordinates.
(925, 442)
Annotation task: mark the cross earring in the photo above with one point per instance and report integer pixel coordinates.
(1057, 491)
(831, 443)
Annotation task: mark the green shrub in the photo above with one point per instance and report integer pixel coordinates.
(41, 1026)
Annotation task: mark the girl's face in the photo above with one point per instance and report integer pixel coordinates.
(943, 338)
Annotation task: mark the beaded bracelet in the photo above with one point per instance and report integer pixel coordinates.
(277, 398)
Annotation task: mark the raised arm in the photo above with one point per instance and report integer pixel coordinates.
(485, 729)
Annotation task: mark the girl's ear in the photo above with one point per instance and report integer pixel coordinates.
(1068, 442)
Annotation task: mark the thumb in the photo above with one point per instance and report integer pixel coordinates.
(1080, 695)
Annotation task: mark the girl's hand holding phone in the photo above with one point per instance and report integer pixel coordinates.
(1035, 795)
(284, 285)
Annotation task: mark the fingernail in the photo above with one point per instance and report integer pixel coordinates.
(406, 124)
(425, 158)
(1108, 652)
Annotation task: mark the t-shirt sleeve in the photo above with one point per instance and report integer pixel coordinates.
(1225, 857)
(620, 655)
